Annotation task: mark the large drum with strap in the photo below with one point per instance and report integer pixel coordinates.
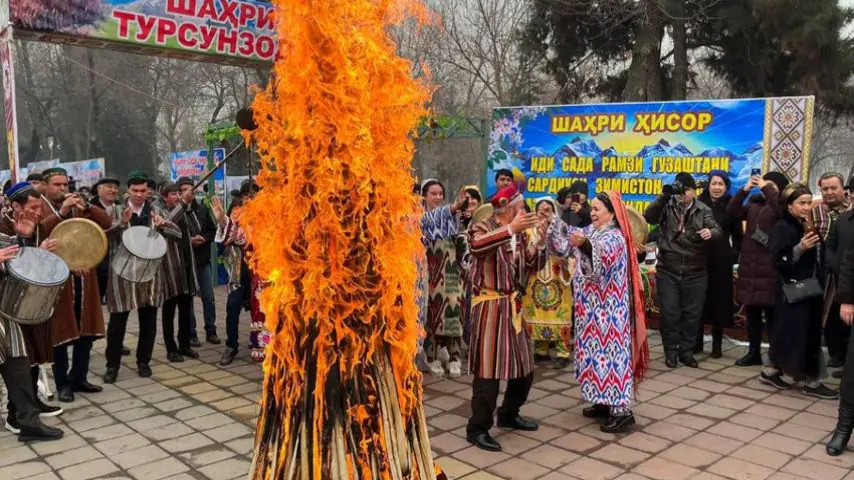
(31, 286)
(139, 255)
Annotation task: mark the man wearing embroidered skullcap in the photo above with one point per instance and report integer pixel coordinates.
(32, 345)
(78, 318)
(124, 296)
(502, 258)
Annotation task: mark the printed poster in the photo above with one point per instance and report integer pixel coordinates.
(637, 148)
(194, 164)
(85, 172)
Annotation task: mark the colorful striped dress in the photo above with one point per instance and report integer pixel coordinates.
(603, 339)
(500, 344)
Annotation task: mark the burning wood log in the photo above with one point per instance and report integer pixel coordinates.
(334, 233)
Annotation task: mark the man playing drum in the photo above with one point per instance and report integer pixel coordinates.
(78, 319)
(19, 347)
(124, 296)
(26, 208)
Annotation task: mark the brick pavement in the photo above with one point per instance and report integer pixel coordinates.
(195, 420)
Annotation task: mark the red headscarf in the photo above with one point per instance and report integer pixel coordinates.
(640, 344)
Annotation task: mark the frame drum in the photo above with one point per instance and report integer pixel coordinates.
(31, 286)
(640, 228)
(80, 242)
(138, 257)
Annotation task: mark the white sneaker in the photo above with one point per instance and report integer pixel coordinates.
(456, 368)
(12, 429)
(443, 356)
(436, 368)
(421, 361)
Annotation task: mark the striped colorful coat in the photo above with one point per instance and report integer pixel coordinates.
(124, 295)
(178, 269)
(499, 272)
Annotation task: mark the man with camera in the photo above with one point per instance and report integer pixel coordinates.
(685, 227)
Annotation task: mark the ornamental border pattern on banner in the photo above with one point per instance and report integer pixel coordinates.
(788, 135)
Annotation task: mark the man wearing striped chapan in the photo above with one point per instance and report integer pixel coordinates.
(124, 296)
(503, 257)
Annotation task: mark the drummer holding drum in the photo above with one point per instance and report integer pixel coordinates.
(23, 346)
(78, 319)
(134, 281)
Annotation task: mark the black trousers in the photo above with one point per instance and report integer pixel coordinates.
(846, 385)
(755, 326)
(681, 302)
(17, 375)
(184, 304)
(71, 374)
(485, 397)
(116, 336)
(836, 334)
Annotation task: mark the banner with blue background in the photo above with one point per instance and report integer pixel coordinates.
(637, 148)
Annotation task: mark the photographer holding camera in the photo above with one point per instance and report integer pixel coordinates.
(685, 228)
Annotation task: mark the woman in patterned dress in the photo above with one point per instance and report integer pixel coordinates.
(611, 350)
(444, 326)
(547, 304)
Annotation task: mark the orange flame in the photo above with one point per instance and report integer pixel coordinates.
(333, 228)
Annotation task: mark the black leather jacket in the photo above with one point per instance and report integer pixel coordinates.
(682, 253)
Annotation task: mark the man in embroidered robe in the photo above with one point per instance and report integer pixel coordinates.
(501, 349)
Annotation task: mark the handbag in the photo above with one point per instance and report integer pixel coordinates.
(801, 290)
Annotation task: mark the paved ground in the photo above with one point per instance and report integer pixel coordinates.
(196, 420)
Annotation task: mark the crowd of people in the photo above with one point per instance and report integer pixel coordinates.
(507, 285)
(191, 228)
(504, 283)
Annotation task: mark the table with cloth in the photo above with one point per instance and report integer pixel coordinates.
(738, 332)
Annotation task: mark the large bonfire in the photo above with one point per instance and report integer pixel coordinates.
(333, 233)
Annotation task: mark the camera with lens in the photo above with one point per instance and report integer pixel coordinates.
(675, 188)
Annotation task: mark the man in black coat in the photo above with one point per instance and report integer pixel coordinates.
(204, 270)
(841, 234)
(844, 255)
(685, 226)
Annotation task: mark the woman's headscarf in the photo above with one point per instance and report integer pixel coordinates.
(640, 344)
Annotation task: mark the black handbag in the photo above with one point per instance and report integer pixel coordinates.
(801, 290)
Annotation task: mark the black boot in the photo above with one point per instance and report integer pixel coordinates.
(698, 343)
(753, 357)
(842, 433)
(717, 340)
